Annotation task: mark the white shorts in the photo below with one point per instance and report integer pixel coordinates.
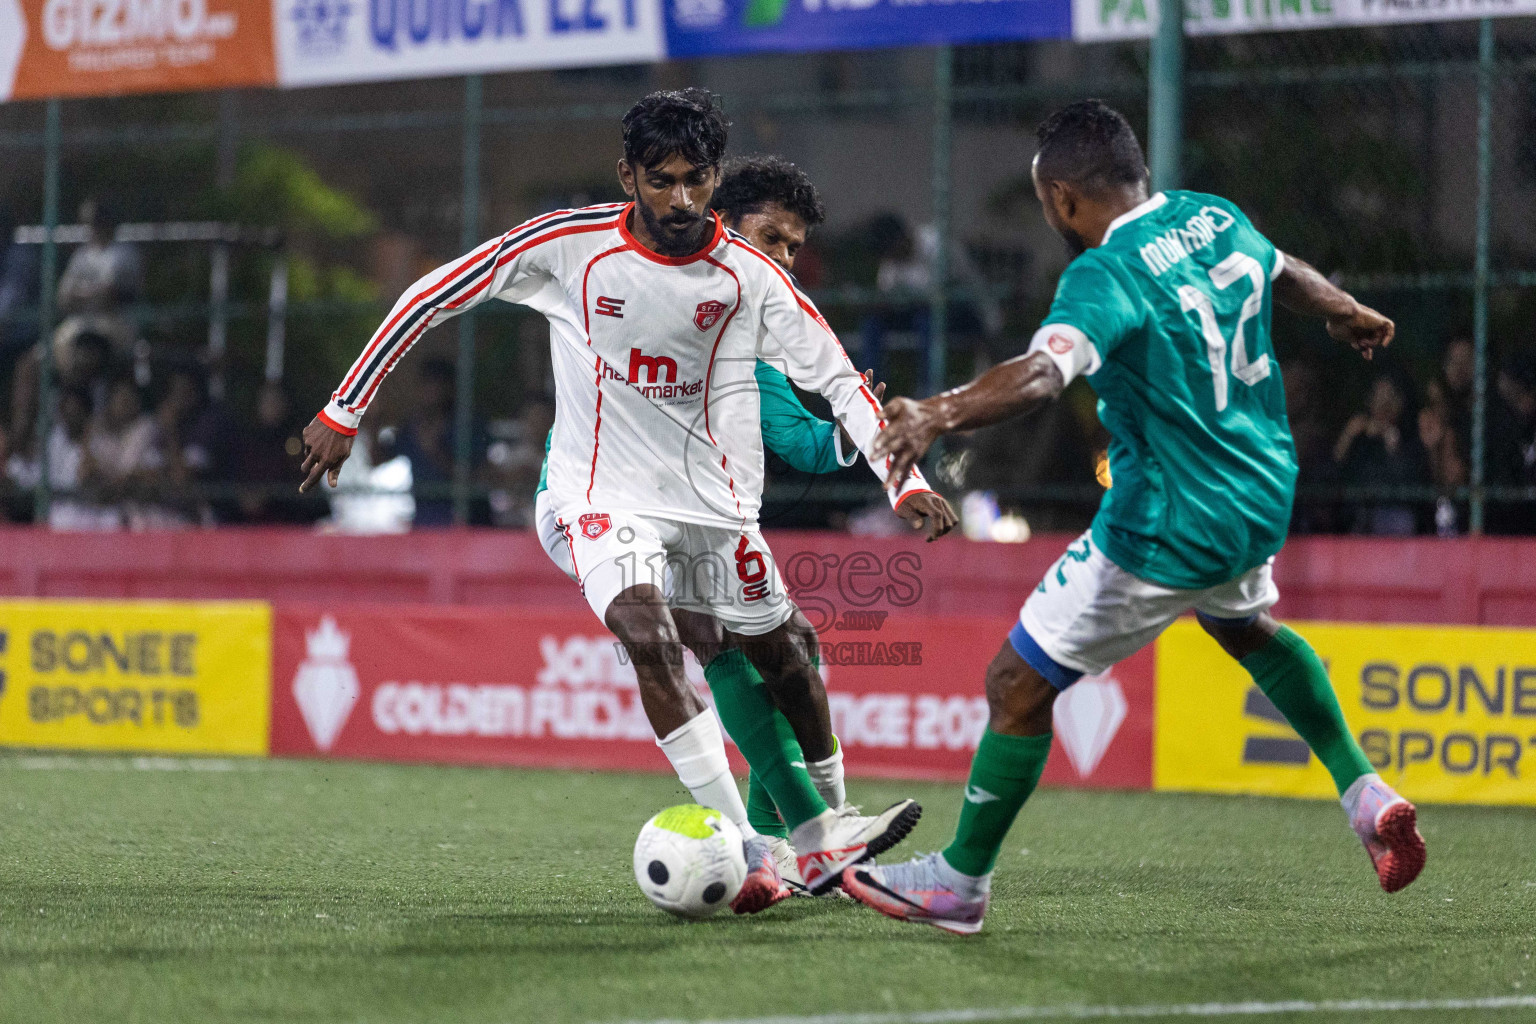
(1088, 613)
(729, 574)
(550, 535)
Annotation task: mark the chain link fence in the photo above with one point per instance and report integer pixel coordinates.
(1358, 150)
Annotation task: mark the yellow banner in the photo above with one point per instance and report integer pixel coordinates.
(151, 676)
(1445, 714)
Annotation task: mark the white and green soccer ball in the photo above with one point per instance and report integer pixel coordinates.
(689, 861)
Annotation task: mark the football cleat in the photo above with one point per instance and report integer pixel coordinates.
(1388, 826)
(763, 886)
(789, 867)
(915, 892)
(833, 841)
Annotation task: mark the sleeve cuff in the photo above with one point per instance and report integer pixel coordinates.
(339, 419)
(844, 458)
(905, 493)
(915, 483)
(1279, 267)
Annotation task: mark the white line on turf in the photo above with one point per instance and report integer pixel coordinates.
(1246, 1009)
(66, 762)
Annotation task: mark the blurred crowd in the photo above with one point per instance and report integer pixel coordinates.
(143, 439)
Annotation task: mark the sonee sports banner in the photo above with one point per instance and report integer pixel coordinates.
(153, 676)
(1446, 715)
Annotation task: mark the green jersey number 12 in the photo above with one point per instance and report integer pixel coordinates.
(1223, 275)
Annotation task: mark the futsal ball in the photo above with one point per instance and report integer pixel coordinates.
(689, 861)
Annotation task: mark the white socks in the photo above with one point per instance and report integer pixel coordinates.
(970, 887)
(697, 752)
(827, 777)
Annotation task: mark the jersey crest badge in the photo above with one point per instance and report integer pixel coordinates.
(708, 314)
(594, 524)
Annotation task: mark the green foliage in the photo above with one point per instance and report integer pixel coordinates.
(274, 186)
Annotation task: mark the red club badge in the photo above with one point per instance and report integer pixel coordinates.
(594, 524)
(708, 314)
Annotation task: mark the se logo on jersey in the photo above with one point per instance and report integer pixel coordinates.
(594, 524)
(610, 307)
(708, 314)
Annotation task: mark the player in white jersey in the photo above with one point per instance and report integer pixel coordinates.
(657, 320)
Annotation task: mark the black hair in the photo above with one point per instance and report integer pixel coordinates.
(688, 122)
(750, 183)
(1091, 145)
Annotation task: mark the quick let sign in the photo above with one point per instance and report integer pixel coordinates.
(322, 42)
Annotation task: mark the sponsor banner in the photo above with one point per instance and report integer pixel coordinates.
(506, 687)
(149, 676)
(703, 28)
(104, 47)
(1445, 714)
(320, 42)
(1102, 20)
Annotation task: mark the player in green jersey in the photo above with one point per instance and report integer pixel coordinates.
(1165, 308)
(773, 205)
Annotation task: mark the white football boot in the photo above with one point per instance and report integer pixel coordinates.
(835, 840)
(763, 887)
(923, 891)
(1388, 827)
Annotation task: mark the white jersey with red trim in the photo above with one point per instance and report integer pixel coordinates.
(656, 398)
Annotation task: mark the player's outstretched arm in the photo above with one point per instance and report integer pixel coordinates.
(1301, 288)
(1009, 389)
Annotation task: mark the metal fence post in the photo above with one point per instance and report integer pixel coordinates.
(1480, 270)
(943, 144)
(1165, 114)
(469, 234)
(51, 138)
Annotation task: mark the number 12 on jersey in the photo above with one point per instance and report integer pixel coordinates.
(1223, 275)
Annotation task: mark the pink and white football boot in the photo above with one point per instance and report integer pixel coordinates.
(923, 891)
(763, 887)
(1388, 826)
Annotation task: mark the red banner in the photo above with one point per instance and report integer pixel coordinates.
(504, 686)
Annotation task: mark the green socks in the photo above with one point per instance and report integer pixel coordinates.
(762, 812)
(1003, 774)
(764, 738)
(1291, 675)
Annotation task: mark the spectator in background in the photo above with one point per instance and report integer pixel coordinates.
(428, 439)
(266, 457)
(1512, 447)
(515, 462)
(103, 274)
(88, 363)
(904, 279)
(1376, 450)
(20, 269)
(1314, 448)
(125, 449)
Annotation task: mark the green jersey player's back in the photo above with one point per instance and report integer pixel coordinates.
(1176, 303)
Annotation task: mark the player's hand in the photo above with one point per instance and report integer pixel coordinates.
(910, 429)
(927, 508)
(1364, 330)
(324, 452)
(878, 390)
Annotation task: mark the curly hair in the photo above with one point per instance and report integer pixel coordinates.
(688, 122)
(750, 183)
(1090, 144)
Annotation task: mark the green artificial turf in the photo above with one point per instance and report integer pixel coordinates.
(306, 891)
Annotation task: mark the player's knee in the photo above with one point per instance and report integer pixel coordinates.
(1240, 638)
(1018, 697)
